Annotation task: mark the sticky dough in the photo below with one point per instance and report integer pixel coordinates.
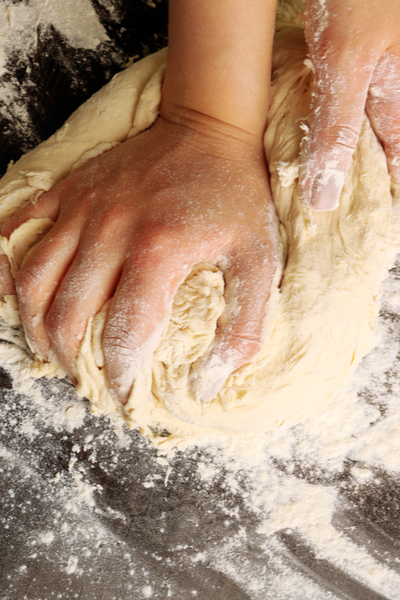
(321, 320)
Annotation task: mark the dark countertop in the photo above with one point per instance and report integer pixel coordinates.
(88, 510)
(55, 78)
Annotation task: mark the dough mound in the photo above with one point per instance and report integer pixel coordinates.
(321, 320)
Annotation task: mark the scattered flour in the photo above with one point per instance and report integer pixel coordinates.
(76, 20)
(301, 486)
(20, 24)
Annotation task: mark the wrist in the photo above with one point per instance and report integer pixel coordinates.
(219, 60)
(209, 134)
(202, 101)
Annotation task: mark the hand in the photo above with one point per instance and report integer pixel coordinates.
(355, 49)
(130, 224)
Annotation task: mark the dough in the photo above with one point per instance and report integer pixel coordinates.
(321, 320)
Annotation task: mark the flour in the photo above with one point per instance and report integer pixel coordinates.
(20, 25)
(76, 20)
(287, 480)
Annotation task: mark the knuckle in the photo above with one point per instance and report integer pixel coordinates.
(108, 224)
(159, 241)
(321, 34)
(119, 342)
(335, 136)
(157, 235)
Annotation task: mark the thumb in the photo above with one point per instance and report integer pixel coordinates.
(239, 334)
(337, 113)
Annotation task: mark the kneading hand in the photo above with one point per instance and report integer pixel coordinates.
(129, 225)
(355, 49)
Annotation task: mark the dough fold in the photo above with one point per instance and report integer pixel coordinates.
(322, 318)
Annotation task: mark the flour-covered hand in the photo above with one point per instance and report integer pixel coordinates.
(355, 50)
(130, 224)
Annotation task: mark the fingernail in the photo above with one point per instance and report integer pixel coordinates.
(205, 389)
(209, 379)
(326, 191)
(211, 389)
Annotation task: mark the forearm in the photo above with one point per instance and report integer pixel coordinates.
(219, 60)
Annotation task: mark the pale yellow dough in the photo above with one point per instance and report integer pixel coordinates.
(322, 319)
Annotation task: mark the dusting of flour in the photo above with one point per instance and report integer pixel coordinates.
(280, 497)
(20, 22)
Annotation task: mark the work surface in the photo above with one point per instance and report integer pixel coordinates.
(89, 509)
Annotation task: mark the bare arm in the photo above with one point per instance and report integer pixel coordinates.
(219, 60)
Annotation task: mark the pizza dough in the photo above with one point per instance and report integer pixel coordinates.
(321, 320)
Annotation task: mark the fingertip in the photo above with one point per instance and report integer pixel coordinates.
(119, 392)
(127, 367)
(209, 381)
(212, 390)
(41, 349)
(115, 393)
(238, 338)
(70, 374)
(6, 228)
(322, 192)
(326, 190)
(208, 394)
(72, 379)
(393, 163)
(211, 373)
(41, 205)
(127, 376)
